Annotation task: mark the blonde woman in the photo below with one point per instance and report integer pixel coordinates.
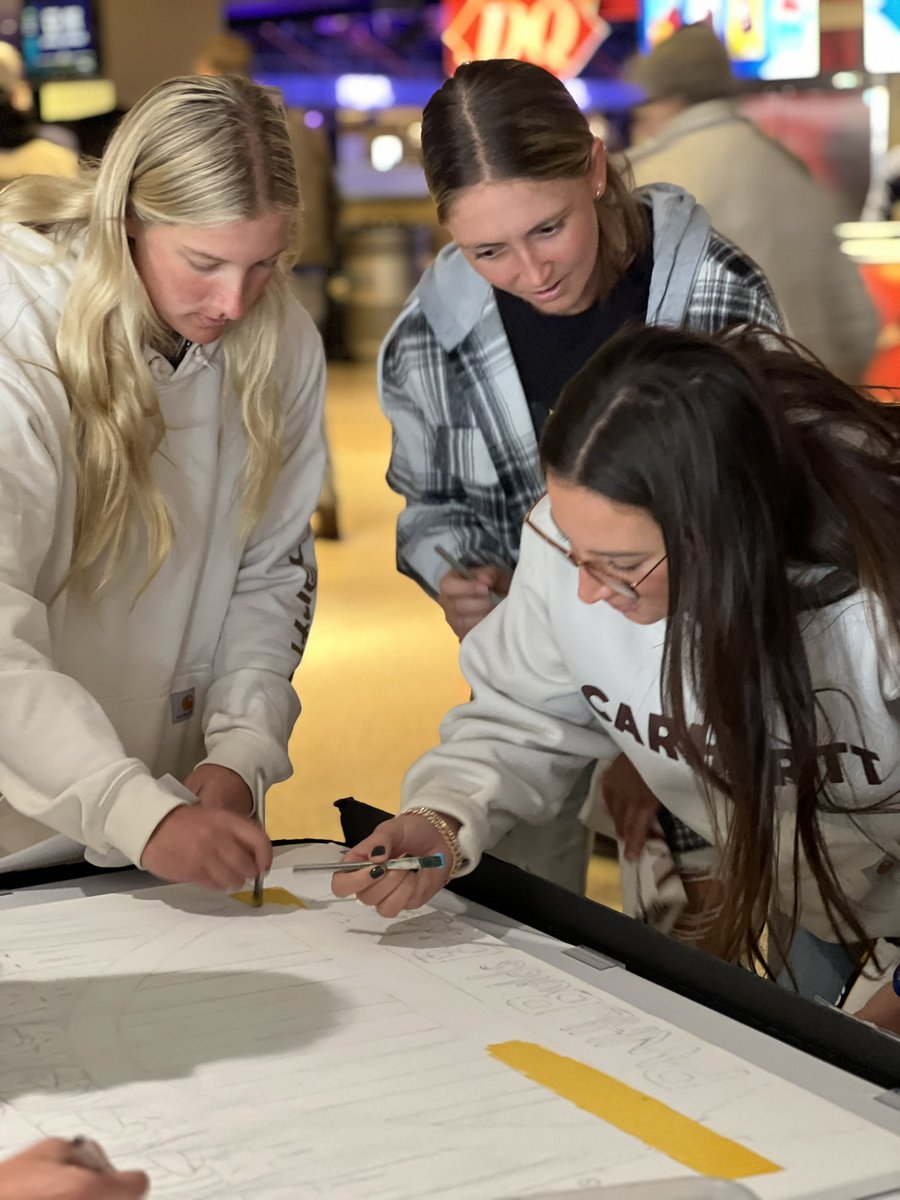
(161, 426)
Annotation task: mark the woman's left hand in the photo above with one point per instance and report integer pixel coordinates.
(220, 787)
(882, 1009)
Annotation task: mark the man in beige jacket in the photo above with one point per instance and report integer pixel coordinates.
(689, 131)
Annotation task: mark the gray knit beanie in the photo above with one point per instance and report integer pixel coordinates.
(691, 64)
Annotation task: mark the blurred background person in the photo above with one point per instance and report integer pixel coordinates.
(688, 130)
(27, 148)
(231, 54)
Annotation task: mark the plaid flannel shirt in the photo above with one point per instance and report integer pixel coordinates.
(465, 454)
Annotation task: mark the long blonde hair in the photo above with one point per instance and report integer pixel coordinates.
(199, 151)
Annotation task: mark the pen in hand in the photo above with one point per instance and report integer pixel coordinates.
(411, 862)
(84, 1152)
(465, 572)
(260, 798)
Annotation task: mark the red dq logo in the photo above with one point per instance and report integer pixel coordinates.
(560, 35)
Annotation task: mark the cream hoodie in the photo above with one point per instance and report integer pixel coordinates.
(100, 699)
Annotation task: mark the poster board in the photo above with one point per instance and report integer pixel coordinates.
(321, 1051)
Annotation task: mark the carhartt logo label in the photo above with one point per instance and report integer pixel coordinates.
(182, 704)
(841, 762)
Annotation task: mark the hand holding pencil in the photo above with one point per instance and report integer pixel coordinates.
(389, 890)
(57, 1169)
(409, 862)
(467, 594)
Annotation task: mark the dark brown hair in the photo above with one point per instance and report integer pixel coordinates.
(502, 119)
(755, 461)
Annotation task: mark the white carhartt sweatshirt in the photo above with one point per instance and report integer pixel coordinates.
(558, 683)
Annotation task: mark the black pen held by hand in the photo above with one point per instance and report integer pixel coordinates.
(84, 1152)
(465, 572)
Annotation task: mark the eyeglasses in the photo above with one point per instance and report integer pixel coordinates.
(603, 576)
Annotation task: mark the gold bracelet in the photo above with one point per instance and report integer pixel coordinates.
(447, 832)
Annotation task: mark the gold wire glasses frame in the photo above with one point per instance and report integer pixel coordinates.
(622, 587)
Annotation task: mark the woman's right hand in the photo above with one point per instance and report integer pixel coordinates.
(50, 1171)
(390, 892)
(632, 806)
(467, 601)
(211, 847)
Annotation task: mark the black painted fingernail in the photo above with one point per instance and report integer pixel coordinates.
(377, 850)
(376, 872)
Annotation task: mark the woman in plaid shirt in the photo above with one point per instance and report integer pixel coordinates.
(551, 255)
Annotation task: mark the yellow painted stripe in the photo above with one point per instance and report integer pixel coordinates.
(272, 895)
(634, 1112)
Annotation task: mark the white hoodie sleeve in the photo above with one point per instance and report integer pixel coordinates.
(251, 705)
(61, 762)
(514, 751)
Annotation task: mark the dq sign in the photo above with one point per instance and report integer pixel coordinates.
(560, 35)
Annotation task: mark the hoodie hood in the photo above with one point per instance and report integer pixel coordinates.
(35, 275)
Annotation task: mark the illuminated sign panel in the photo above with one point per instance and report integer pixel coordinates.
(559, 35)
(59, 39)
(765, 39)
(881, 36)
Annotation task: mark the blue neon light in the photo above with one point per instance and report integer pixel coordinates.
(321, 91)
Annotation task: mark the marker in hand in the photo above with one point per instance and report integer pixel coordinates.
(465, 572)
(85, 1152)
(411, 862)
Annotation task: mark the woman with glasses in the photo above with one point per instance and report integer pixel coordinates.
(551, 254)
(710, 586)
